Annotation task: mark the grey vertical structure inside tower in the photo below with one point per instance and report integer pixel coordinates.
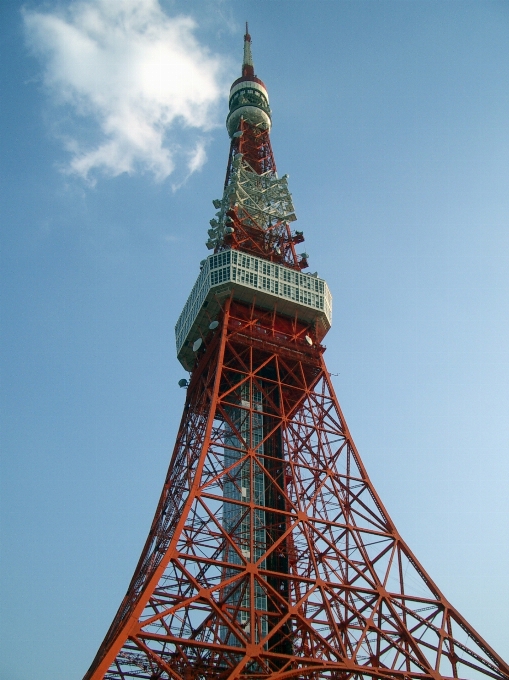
(257, 480)
(245, 432)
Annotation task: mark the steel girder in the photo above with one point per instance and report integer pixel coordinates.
(271, 554)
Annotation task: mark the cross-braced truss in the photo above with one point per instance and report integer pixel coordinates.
(270, 554)
(256, 209)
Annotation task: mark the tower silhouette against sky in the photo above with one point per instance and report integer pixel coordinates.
(270, 554)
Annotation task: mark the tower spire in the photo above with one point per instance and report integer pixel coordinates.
(249, 99)
(247, 63)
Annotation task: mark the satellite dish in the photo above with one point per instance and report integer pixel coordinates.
(308, 340)
(183, 382)
(213, 325)
(277, 250)
(197, 344)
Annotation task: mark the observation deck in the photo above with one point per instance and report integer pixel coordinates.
(250, 279)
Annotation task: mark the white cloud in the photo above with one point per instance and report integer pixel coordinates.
(197, 157)
(141, 76)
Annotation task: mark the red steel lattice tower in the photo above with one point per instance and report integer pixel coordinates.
(270, 554)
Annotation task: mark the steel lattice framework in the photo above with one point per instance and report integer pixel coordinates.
(312, 580)
(270, 554)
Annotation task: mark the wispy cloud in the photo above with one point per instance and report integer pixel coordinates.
(141, 77)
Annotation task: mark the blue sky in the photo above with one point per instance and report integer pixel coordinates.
(392, 120)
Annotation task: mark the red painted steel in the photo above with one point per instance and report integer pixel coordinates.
(254, 144)
(277, 242)
(318, 584)
(270, 554)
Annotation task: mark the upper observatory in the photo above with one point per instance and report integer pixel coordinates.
(249, 98)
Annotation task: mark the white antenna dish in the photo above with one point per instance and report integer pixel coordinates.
(197, 344)
(308, 340)
(213, 325)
